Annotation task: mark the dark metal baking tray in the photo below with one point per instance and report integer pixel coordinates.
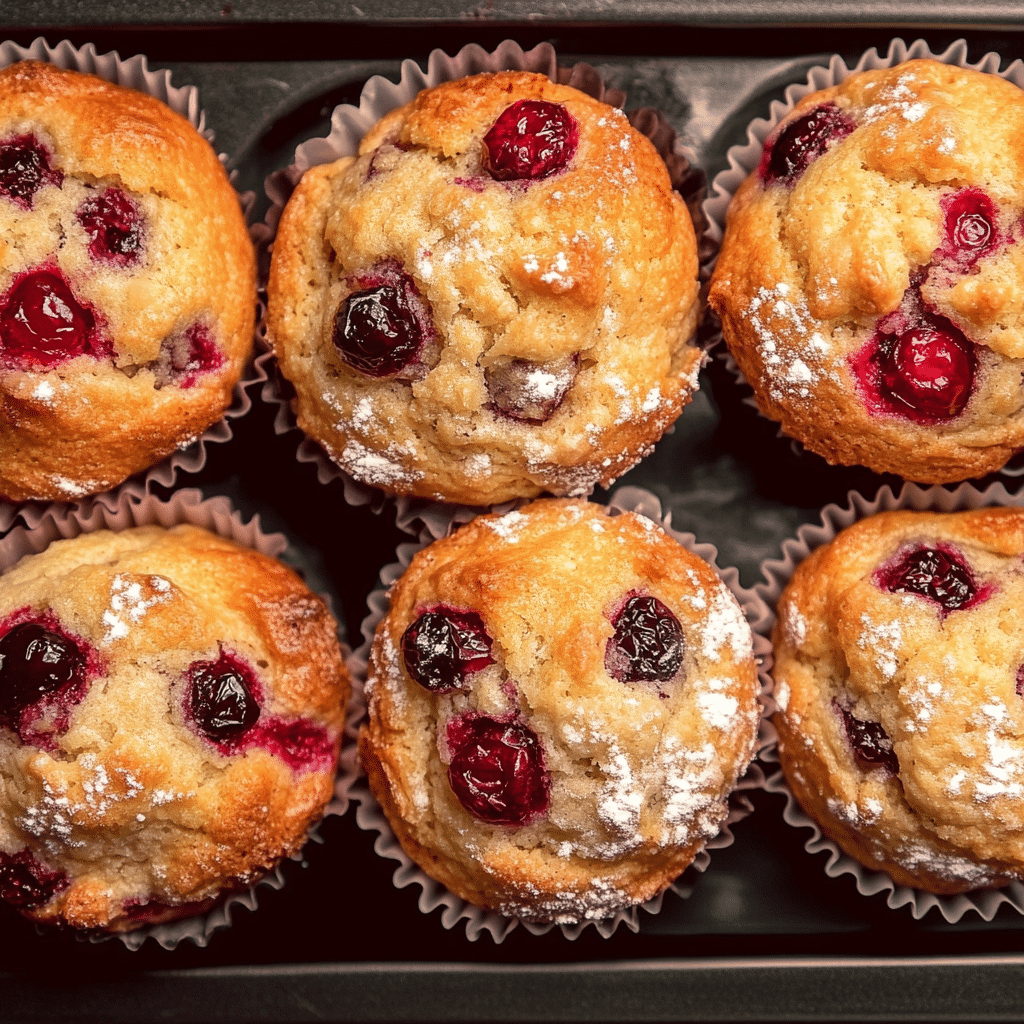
(765, 935)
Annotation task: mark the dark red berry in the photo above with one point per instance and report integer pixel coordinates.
(872, 747)
(497, 769)
(647, 645)
(299, 743)
(443, 646)
(220, 697)
(969, 227)
(35, 663)
(187, 356)
(531, 139)
(527, 391)
(25, 883)
(42, 323)
(382, 327)
(25, 168)
(790, 151)
(938, 574)
(113, 223)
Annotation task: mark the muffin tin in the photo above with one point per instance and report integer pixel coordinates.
(765, 933)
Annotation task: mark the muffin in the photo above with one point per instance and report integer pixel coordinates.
(870, 284)
(899, 674)
(495, 298)
(171, 706)
(559, 704)
(127, 283)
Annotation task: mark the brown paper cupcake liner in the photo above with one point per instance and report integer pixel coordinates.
(478, 922)
(348, 125)
(134, 73)
(745, 157)
(777, 572)
(131, 506)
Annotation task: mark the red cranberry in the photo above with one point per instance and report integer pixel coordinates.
(25, 883)
(527, 391)
(497, 769)
(872, 747)
(938, 574)
(113, 223)
(970, 230)
(795, 144)
(531, 139)
(35, 663)
(25, 168)
(647, 645)
(382, 328)
(299, 743)
(42, 323)
(220, 697)
(443, 646)
(189, 355)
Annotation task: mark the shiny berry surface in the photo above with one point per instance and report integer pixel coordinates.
(647, 645)
(42, 323)
(381, 328)
(937, 573)
(25, 167)
(221, 697)
(113, 224)
(35, 663)
(530, 140)
(872, 747)
(801, 141)
(443, 646)
(497, 769)
(528, 391)
(26, 883)
(969, 227)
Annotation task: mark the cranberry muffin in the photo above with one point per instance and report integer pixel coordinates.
(496, 297)
(171, 706)
(871, 284)
(559, 704)
(127, 283)
(899, 675)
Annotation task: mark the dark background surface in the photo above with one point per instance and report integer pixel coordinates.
(765, 934)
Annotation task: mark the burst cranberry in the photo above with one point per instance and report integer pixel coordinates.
(187, 356)
(497, 769)
(24, 169)
(220, 697)
(42, 323)
(24, 882)
(938, 574)
(382, 328)
(531, 139)
(527, 391)
(799, 142)
(444, 646)
(35, 663)
(114, 225)
(647, 645)
(872, 747)
(970, 230)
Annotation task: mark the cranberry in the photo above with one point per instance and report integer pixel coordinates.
(300, 744)
(42, 323)
(527, 391)
(35, 663)
(113, 223)
(531, 139)
(220, 697)
(443, 646)
(24, 882)
(647, 645)
(382, 328)
(872, 747)
(969, 227)
(25, 168)
(938, 574)
(497, 769)
(1020, 681)
(790, 151)
(187, 356)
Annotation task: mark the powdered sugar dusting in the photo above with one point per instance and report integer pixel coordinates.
(130, 598)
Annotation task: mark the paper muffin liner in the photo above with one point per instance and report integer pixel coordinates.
(744, 158)
(348, 126)
(454, 909)
(777, 573)
(126, 508)
(134, 73)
